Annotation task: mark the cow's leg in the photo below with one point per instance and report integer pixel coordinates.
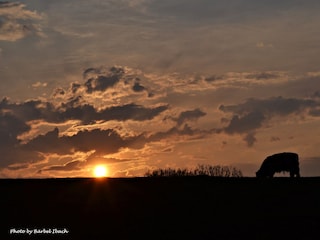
(295, 172)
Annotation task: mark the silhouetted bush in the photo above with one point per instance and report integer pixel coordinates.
(200, 170)
(217, 171)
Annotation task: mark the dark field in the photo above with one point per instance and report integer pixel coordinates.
(162, 208)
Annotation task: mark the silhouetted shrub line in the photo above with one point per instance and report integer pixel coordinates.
(200, 170)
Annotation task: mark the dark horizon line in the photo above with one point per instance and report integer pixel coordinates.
(160, 177)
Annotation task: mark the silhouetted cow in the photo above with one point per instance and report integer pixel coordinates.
(288, 162)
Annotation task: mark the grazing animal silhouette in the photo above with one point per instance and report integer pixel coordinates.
(286, 161)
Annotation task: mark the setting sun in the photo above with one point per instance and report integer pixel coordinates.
(100, 171)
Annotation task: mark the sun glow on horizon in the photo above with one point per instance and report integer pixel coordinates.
(100, 171)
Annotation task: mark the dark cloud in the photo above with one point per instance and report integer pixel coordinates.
(248, 122)
(262, 76)
(253, 113)
(13, 155)
(250, 139)
(89, 71)
(10, 128)
(5, 4)
(131, 111)
(137, 87)
(75, 87)
(272, 106)
(88, 114)
(102, 80)
(58, 92)
(96, 159)
(213, 78)
(101, 83)
(72, 102)
(75, 109)
(274, 139)
(189, 115)
(85, 113)
(70, 166)
(150, 94)
(29, 110)
(102, 141)
(48, 142)
(10, 150)
(18, 166)
(185, 131)
(15, 120)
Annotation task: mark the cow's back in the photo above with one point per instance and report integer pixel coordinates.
(284, 161)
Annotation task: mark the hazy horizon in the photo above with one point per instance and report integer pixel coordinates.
(143, 84)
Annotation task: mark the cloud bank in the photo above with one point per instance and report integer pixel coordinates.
(251, 115)
(109, 115)
(17, 22)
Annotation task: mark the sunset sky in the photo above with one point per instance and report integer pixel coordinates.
(144, 84)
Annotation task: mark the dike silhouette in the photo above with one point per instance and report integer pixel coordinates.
(191, 207)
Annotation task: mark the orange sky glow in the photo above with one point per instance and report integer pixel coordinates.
(138, 85)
